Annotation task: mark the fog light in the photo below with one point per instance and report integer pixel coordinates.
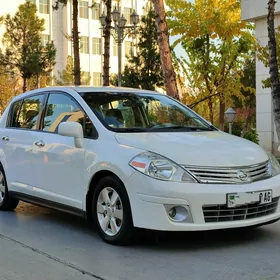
(177, 213)
(172, 212)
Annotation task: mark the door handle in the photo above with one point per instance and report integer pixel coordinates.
(40, 143)
(5, 138)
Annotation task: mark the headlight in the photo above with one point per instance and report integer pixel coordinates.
(160, 168)
(273, 166)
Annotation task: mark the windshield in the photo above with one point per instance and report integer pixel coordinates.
(133, 112)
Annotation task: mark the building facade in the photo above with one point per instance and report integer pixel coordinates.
(58, 27)
(256, 11)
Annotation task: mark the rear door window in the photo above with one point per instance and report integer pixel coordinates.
(28, 115)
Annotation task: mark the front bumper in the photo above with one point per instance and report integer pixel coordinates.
(150, 197)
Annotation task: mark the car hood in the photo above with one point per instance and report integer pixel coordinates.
(211, 148)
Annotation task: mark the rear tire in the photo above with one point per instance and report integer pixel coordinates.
(111, 212)
(6, 202)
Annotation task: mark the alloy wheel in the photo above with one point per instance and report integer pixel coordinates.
(2, 187)
(109, 211)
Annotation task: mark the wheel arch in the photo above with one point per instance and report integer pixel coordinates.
(93, 182)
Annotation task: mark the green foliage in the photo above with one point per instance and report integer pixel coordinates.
(66, 76)
(263, 56)
(246, 110)
(216, 44)
(237, 129)
(252, 136)
(248, 81)
(144, 69)
(23, 52)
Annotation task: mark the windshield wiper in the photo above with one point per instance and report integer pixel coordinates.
(190, 128)
(130, 129)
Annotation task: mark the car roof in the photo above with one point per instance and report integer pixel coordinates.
(86, 89)
(92, 89)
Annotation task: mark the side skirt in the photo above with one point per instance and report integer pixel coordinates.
(48, 204)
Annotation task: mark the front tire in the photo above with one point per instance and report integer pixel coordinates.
(6, 202)
(111, 212)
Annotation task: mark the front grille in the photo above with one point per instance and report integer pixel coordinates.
(220, 175)
(220, 213)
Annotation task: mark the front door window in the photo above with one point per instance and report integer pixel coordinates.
(62, 108)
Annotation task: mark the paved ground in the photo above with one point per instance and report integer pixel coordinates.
(39, 244)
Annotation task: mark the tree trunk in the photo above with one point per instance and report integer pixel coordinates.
(24, 85)
(164, 50)
(245, 127)
(222, 114)
(77, 68)
(273, 66)
(107, 34)
(211, 113)
(37, 81)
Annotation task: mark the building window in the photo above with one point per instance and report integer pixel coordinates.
(45, 39)
(115, 49)
(44, 6)
(83, 9)
(96, 46)
(84, 45)
(127, 13)
(85, 80)
(96, 11)
(128, 48)
(97, 78)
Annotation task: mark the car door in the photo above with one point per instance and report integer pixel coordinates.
(60, 167)
(17, 142)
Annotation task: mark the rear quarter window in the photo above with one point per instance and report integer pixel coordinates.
(13, 114)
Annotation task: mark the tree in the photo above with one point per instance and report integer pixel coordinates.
(144, 70)
(246, 109)
(107, 34)
(8, 89)
(263, 56)
(75, 37)
(66, 76)
(216, 42)
(45, 62)
(273, 66)
(164, 50)
(23, 51)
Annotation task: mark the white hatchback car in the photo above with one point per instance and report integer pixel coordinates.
(127, 158)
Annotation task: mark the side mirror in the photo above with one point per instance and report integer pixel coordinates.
(72, 129)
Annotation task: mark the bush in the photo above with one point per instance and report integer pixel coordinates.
(252, 136)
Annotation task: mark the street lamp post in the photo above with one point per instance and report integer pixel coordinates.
(120, 31)
(229, 117)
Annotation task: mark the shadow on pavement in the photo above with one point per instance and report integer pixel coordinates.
(171, 241)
